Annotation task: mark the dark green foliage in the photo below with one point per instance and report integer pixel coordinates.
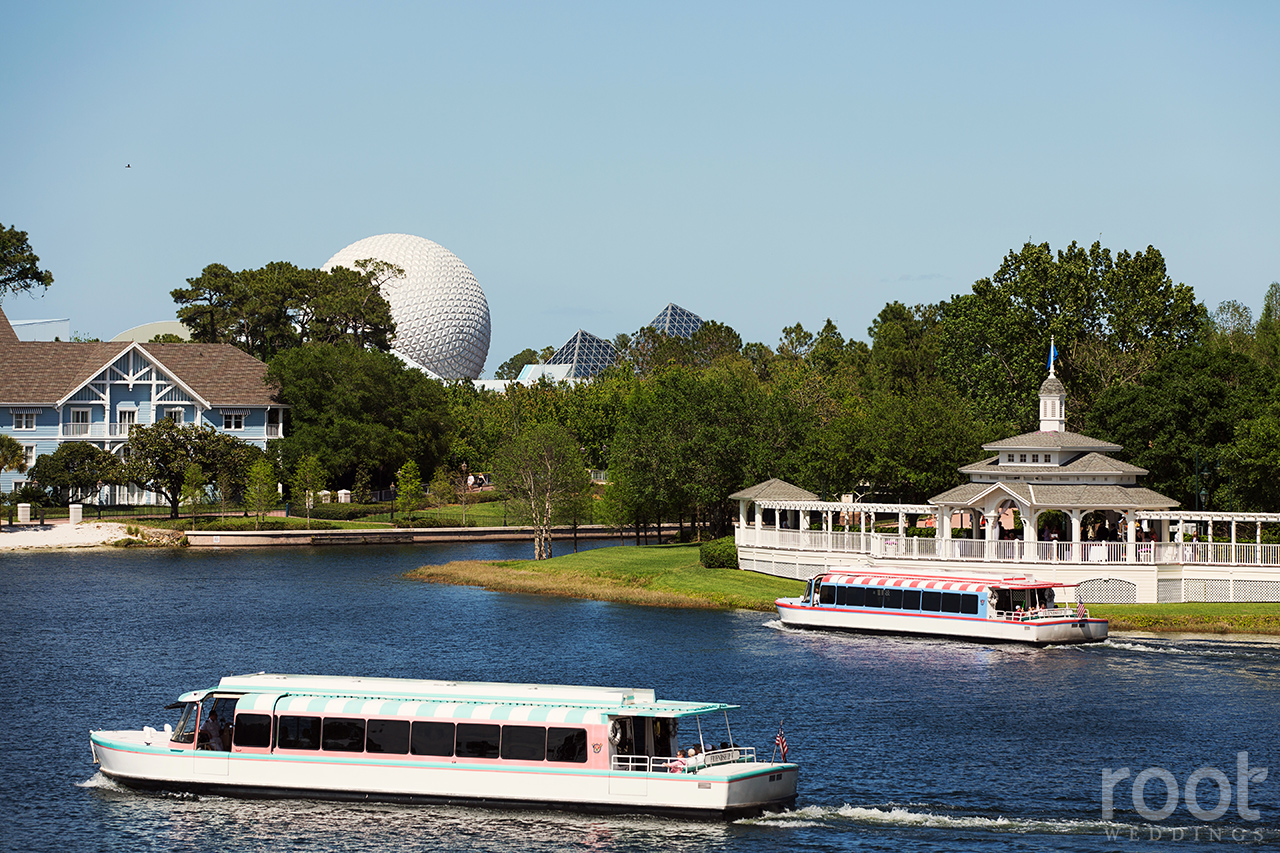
(355, 408)
(19, 266)
(719, 554)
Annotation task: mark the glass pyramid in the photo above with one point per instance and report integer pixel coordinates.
(676, 321)
(588, 354)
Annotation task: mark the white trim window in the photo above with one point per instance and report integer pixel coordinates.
(24, 420)
(177, 415)
(233, 421)
(29, 454)
(79, 422)
(126, 419)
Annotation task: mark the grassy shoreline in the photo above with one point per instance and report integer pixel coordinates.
(671, 576)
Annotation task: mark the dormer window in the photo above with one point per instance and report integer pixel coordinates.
(1022, 457)
(1048, 458)
(1035, 457)
(1009, 458)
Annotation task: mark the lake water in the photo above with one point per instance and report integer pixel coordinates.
(904, 744)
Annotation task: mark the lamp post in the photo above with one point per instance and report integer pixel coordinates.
(466, 493)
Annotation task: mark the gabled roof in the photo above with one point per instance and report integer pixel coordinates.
(1066, 496)
(46, 372)
(1052, 440)
(1088, 463)
(773, 489)
(7, 334)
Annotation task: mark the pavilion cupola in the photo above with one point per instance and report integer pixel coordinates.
(1053, 404)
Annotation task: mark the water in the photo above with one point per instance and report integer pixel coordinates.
(904, 744)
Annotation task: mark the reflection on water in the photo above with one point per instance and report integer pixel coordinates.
(904, 743)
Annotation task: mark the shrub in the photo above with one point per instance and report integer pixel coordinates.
(719, 554)
(347, 512)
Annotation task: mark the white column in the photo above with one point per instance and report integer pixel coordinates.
(759, 518)
(1131, 523)
(742, 514)
(1075, 535)
(902, 524)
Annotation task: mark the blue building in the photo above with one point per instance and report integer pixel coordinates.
(52, 392)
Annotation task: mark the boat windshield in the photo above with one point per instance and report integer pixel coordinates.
(186, 730)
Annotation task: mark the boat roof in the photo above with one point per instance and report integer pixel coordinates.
(471, 700)
(953, 584)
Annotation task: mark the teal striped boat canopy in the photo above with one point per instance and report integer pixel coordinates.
(336, 696)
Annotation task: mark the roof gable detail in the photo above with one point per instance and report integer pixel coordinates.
(132, 366)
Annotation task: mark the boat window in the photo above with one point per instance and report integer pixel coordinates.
(298, 733)
(431, 738)
(477, 741)
(968, 604)
(874, 597)
(253, 730)
(827, 594)
(567, 745)
(390, 736)
(911, 599)
(857, 595)
(893, 598)
(186, 731)
(343, 735)
(524, 743)
(930, 600)
(842, 596)
(951, 602)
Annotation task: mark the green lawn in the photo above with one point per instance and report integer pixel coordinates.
(660, 575)
(1192, 617)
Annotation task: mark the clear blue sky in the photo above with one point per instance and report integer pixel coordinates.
(759, 164)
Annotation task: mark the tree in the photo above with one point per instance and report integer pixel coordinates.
(355, 408)
(1113, 319)
(261, 494)
(19, 266)
(408, 489)
(13, 456)
(510, 368)
(444, 487)
(309, 479)
(193, 488)
(75, 469)
(541, 470)
(157, 456)
(280, 306)
(1180, 420)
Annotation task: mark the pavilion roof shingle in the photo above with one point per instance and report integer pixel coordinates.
(773, 489)
(1036, 440)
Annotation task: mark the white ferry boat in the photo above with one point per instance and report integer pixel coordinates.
(592, 749)
(1011, 609)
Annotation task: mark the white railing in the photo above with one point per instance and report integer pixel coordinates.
(672, 764)
(891, 545)
(1041, 613)
(273, 430)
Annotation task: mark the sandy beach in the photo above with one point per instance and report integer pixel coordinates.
(59, 535)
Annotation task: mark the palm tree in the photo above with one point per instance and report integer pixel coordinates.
(13, 457)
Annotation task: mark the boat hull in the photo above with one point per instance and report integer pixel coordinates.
(793, 613)
(721, 792)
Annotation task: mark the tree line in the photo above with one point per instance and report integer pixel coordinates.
(681, 423)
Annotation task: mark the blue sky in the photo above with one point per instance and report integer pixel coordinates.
(759, 164)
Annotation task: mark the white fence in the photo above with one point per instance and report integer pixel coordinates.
(1011, 550)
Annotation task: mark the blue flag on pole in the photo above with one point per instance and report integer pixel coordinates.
(1053, 354)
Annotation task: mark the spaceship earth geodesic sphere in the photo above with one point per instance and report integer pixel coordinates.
(442, 317)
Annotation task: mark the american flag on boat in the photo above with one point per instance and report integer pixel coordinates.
(781, 741)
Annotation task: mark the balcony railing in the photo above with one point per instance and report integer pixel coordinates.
(890, 545)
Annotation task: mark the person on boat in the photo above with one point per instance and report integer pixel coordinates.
(676, 765)
(696, 758)
(213, 729)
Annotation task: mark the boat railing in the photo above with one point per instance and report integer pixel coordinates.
(674, 764)
(1038, 614)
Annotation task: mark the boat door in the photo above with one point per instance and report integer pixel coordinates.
(627, 761)
(215, 713)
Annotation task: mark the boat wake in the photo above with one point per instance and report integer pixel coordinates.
(920, 815)
(1205, 648)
